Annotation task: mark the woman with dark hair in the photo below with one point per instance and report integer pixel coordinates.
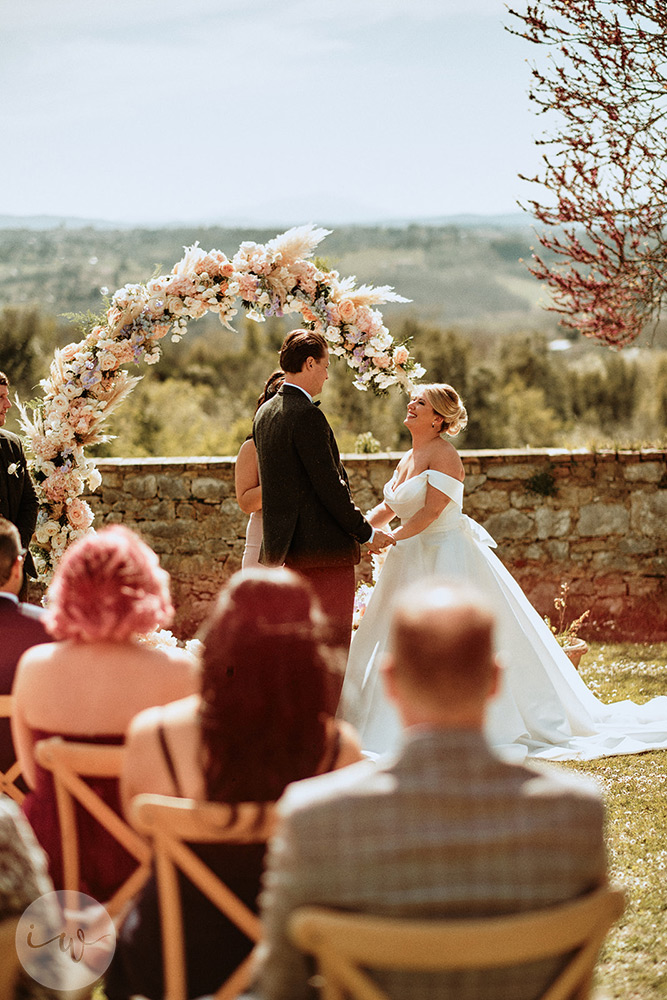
(108, 591)
(246, 481)
(264, 718)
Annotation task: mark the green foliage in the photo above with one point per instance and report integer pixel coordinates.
(517, 392)
(366, 444)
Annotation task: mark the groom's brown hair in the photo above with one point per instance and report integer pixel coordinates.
(298, 346)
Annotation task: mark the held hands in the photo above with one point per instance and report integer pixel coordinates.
(381, 539)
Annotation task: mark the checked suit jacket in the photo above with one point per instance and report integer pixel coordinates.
(309, 517)
(18, 500)
(445, 828)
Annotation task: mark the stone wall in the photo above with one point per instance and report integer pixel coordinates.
(595, 520)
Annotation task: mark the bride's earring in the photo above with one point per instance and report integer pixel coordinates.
(433, 423)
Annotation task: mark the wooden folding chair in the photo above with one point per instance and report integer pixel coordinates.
(173, 824)
(9, 959)
(342, 942)
(70, 763)
(8, 778)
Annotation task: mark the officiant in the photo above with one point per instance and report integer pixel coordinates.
(18, 500)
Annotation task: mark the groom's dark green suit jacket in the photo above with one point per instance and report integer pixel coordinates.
(309, 517)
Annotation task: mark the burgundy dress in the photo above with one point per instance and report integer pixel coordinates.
(104, 863)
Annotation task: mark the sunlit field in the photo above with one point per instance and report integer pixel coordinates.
(634, 960)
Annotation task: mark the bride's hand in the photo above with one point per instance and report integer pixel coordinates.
(381, 539)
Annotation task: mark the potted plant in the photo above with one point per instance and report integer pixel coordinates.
(567, 636)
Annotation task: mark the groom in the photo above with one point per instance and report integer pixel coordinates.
(310, 521)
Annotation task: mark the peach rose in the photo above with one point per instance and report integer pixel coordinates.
(401, 355)
(333, 313)
(79, 513)
(347, 311)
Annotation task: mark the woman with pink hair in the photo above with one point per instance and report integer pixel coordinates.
(107, 593)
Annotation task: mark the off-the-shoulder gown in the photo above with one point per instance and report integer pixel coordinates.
(543, 708)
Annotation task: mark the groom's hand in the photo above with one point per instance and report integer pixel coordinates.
(381, 539)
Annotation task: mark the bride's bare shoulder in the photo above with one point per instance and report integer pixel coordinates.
(445, 458)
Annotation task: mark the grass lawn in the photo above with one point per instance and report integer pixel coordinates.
(633, 963)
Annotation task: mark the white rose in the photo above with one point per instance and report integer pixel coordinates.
(94, 478)
(107, 361)
(46, 468)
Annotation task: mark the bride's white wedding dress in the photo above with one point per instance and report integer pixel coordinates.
(543, 708)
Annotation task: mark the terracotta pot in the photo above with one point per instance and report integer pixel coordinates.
(574, 650)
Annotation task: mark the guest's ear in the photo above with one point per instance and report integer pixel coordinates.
(388, 672)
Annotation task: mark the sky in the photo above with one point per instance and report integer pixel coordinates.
(214, 111)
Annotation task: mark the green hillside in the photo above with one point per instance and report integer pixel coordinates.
(452, 274)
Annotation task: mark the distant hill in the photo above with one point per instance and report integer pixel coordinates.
(466, 272)
(513, 220)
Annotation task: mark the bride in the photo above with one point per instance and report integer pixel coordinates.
(543, 708)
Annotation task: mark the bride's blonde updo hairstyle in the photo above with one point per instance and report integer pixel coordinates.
(447, 404)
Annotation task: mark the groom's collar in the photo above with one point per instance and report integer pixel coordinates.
(291, 385)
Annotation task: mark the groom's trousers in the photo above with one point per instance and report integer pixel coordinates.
(334, 588)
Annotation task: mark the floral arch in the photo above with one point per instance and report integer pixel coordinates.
(86, 381)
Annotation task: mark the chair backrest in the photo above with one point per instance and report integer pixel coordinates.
(9, 959)
(70, 763)
(8, 778)
(342, 942)
(173, 824)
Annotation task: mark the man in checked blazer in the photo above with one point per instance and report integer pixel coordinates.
(444, 828)
(18, 501)
(310, 521)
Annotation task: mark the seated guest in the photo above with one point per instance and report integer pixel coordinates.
(23, 880)
(264, 717)
(445, 828)
(21, 625)
(108, 591)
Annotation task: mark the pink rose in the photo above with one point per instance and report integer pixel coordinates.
(248, 287)
(69, 352)
(347, 311)
(180, 286)
(401, 355)
(79, 513)
(381, 361)
(333, 313)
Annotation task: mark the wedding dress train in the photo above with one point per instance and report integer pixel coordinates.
(543, 708)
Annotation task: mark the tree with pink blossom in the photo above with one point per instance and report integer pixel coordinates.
(603, 92)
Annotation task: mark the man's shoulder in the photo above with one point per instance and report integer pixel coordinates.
(27, 615)
(32, 611)
(331, 790)
(12, 438)
(558, 784)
